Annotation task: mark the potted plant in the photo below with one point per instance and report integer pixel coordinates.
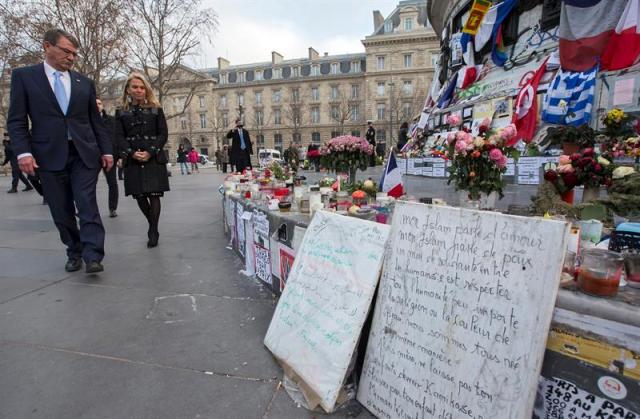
(572, 139)
(347, 154)
(478, 163)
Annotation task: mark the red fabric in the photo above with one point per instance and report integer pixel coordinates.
(622, 50)
(525, 116)
(313, 153)
(582, 54)
(397, 191)
(470, 75)
(193, 156)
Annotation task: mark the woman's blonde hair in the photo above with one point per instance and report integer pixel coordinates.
(150, 99)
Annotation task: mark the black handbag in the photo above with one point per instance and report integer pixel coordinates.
(161, 157)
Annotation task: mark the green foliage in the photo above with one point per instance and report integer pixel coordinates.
(583, 135)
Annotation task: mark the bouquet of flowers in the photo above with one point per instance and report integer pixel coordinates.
(346, 154)
(629, 147)
(592, 170)
(564, 178)
(477, 163)
(617, 123)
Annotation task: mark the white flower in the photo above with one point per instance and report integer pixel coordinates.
(603, 161)
(622, 171)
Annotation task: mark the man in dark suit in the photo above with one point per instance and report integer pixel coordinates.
(16, 175)
(241, 147)
(110, 175)
(370, 136)
(66, 142)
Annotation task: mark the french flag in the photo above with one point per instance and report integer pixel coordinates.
(623, 48)
(391, 181)
(585, 29)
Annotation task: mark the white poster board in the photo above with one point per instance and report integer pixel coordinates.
(462, 315)
(316, 325)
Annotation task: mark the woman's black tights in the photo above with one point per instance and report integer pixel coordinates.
(150, 207)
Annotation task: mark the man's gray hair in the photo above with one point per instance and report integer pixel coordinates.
(53, 35)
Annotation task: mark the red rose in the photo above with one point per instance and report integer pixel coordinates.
(550, 176)
(575, 156)
(482, 129)
(588, 152)
(597, 168)
(570, 179)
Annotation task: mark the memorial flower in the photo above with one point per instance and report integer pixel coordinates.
(477, 164)
(454, 120)
(346, 153)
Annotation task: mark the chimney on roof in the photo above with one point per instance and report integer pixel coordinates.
(378, 19)
(313, 54)
(223, 63)
(276, 58)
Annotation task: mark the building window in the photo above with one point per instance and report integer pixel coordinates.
(258, 98)
(277, 96)
(406, 110)
(225, 119)
(408, 60)
(335, 92)
(296, 71)
(295, 95)
(258, 75)
(203, 121)
(380, 89)
(277, 117)
(355, 66)
(315, 70)
(242, 77)
(259, 118)
(355, 133)
(297, 138)
(223, 101)
(381, 111)
(223, 78)
(380, 63)
(381, 135)
(388, 26)
(240, 99)
(315, 138)
(277, 73)
(183, 124)
(315, 115)
(354, 112)
(201, 100)
(335, 112)
(334, 68)
(407, 87)
(408, 24)
(315, 93)
(355, 91)
(335, 134)
(434, 59)
(260, 140)
(277, 142)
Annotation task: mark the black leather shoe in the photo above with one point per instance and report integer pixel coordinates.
(94, 267)
(153, 239)
(28, 188)
(73, 265)
(12, 190)
(113, 214)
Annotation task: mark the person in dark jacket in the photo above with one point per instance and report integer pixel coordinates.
(241, 147)
(141, 132)
(110, 175)
(182, 158)
(370, 136)
(402, 135)
(16, 175)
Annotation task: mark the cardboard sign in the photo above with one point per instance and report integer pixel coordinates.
(316, 325)
(463, 312)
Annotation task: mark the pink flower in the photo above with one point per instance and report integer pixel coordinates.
(461, 145)
(564, 159)
(502, 163)
(450, 137)
(496, 155)
(454, 120)
(565, 168)
(460, 135)
(486, 122)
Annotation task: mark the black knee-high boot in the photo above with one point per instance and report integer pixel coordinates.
(154, 217)
(143, 204)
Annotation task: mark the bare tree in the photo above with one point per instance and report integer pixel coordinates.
(294, 111)
(259, 118)
(169, 32)
(219, 127)
(405, 104)
(342, 109)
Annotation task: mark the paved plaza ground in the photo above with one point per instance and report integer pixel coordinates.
(170, 332)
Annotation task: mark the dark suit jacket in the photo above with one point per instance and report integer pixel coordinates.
(47, 139)
(235, 144)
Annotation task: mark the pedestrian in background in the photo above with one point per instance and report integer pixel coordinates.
(182, 160)
(56, 130)
(193, 158)
(218, 157)
(110, 175)
(224, 157)
(141, 131)
(16, 175)
(402, 135)
(370, 136)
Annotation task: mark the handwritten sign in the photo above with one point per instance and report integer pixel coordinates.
(287, 257)
(263, 263)
(318, 319)
(463, 311)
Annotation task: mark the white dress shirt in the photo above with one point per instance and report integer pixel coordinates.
(65, 78)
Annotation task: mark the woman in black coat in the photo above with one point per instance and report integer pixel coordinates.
(141, 132)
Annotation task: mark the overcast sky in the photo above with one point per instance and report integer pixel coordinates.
(249, 30)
